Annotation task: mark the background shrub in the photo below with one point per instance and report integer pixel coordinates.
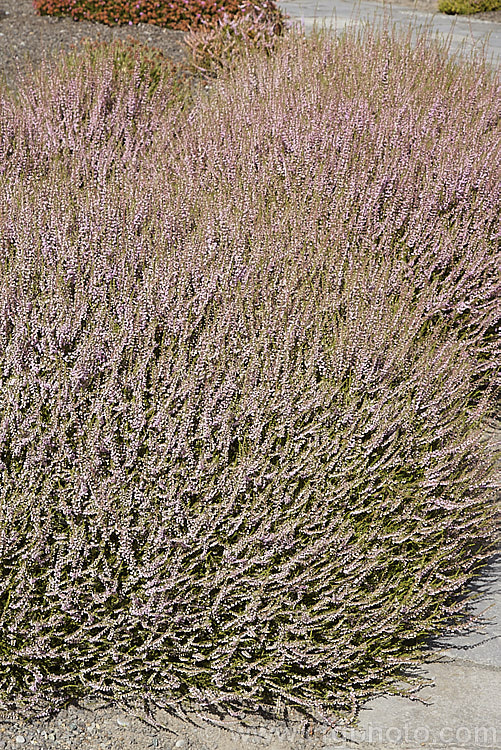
(180, 14)
(245, 377)
(214, 48)
(467, 7)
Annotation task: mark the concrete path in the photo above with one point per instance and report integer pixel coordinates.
(464, 704)
(467, 33)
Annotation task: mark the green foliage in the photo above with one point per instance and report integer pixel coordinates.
(154, 68)
(467, 7)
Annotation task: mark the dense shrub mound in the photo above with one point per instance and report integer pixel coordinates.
(245, 378)
(180, 14)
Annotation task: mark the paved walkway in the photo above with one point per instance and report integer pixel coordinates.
(464, 710)
(467, 31)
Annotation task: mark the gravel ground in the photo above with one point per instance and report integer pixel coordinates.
(94, 725)
(27, 37)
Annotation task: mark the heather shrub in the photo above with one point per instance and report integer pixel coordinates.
(467, 7)
(244, 383)
(95, 109)
(155, 68)
(180, 14)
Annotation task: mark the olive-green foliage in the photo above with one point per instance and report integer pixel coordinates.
(155, 68)
(467, 7)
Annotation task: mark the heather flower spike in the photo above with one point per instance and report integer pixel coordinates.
(249, 346)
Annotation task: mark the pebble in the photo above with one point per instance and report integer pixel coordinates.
(114, 730)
